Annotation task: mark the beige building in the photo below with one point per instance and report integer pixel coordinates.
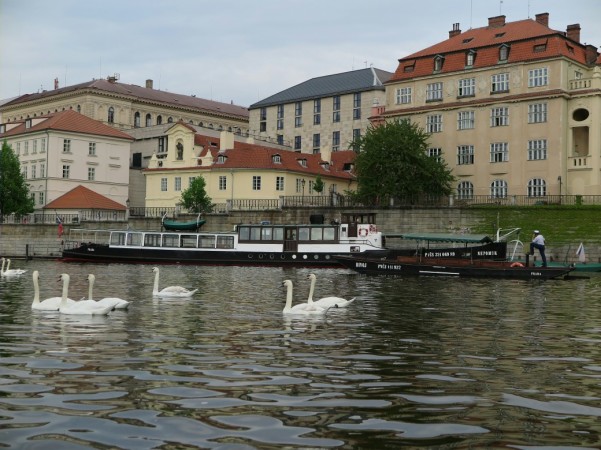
(513, 108)
(322, 114)
(237, 170)
(127, 106)
(64, 150)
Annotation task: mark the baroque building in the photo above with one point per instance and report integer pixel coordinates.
(127, 106)
(326, 112)
(513, 108)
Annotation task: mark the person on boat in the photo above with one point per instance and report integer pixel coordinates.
(538, 242)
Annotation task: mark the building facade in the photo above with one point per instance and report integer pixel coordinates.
(327, 112)
(64, 150)
(127, 106)
(513, 108)
(235, 170)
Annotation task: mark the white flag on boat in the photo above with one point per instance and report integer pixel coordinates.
(580, 253)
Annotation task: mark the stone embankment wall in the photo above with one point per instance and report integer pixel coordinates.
(42, 241)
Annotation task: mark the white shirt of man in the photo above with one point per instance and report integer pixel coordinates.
(539, 239)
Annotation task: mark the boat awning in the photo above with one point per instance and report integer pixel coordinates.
(448, 237)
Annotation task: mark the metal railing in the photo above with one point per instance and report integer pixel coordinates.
(313, 201)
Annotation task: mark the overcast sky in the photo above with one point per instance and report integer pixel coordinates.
(238, 50)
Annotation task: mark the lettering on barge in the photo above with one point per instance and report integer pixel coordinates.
(389, 266)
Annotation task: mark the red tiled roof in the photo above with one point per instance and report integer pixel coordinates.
(83, 198)
(521, 36)
(70, 121)
(143, 93)
(253, 156)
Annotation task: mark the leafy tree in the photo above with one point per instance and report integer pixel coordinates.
(318, 185)
(14, 191)
(392, 162)
(195, 198)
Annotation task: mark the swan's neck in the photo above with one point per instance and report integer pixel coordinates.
(155, 289)
(311, 289)
(90, 288)
(3, 262)
(65, 291)
(7, 265)
(288, 305)
(36, 291)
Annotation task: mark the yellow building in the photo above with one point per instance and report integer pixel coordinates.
(513, 108)
(235, 170)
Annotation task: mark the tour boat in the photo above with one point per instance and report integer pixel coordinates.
(263, 244)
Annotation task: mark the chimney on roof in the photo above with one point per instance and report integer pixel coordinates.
(56, 83)
(149, 84)
(496, 22)
(573, 32)
(543, 19)
(591, 54)
(455, 31)
(226, 140)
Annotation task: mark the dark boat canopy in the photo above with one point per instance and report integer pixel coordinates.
(448, 237)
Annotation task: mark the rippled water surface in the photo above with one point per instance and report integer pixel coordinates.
(413, 362)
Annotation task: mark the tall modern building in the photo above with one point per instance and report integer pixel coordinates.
(514, 108)
(326, 112)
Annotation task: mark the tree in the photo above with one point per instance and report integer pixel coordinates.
(195, 198)
(14, 191)
(318, 185)
(392, 162)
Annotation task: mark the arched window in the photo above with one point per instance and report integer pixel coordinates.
(148, 120)
(111, 117)
(503, 52)
(470, 58)
(438, 61)
(170, 120)
(79, 109)
(498, 189)
(465, 190)
(137, 120)
(537, 187)
(159, 120)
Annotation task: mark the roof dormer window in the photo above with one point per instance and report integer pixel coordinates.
(27, 123)
(221, 159)
(325, 165)
(276, 159)
(470, 58)
(2, 128)
(303, 162)
(438, 62)
(503, 53)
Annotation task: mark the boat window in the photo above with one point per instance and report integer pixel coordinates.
(266, 234)
(170, 240)
(118, 238)
(329, 234)
(244, 233)
(188, 241)
(152, 240)
(316, 234)
(225, 241)
(303, 233)
(255, 234)
(207, 241)
(278, 233)
(134, 239)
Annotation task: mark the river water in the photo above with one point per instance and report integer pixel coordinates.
(414, 362)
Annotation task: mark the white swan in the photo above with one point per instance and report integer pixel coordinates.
(303, 308)
(170, 291)
(89, 307)
(10, 272)
(326, 302)
(49, 304)
(114, 302)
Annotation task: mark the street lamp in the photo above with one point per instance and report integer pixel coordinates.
(559, 180)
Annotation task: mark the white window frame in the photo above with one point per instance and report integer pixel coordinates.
(499, 152)
(537, 187)
(177, 184)
(434, 123)
(537, 113)
(538, 77)
(498, 189)
(465, 190)
(92, 149)
(163, 184)
(466, 120)
(279, 183)
(66, 145)
(434, 91)
(222, 182)
(465, 155)
(403, 95)
(499, 82)
(499, 116)
(466, 87)
(256, 183)
(91, 173)
(537, 149)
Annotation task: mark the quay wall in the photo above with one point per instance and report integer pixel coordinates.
(42, 240)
